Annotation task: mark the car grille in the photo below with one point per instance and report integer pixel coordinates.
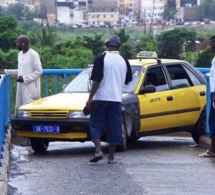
(48, 114)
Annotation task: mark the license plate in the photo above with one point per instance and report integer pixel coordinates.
(46, 129)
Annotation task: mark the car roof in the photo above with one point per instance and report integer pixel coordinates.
(149, 62)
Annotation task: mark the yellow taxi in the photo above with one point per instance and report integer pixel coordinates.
(165, 96)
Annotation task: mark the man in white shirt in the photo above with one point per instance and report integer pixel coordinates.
(110, 72)
(27, 74)
(211, 151)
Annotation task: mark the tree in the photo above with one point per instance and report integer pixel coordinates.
(124, 37)
(207, 8)
(204, 58)
(43, 37)
(95, 43)
(8, 32)
(147, 43)
(2, 11)
(126, 50)
(18, 10)
(168, 13)
(171, 43)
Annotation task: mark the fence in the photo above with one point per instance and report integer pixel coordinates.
(56, 77)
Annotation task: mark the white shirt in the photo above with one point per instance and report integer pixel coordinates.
(29, 66)
(111, 86)
(212, 76)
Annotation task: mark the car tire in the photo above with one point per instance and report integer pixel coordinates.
(39, 145)
(200, 128)
(123, 146)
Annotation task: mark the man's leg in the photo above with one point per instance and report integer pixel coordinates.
(212, 148)
(112, 148)
(114, 134)
(96, 124)
(97, 144)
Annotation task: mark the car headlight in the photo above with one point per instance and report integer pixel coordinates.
(77, 114)
(22, 114)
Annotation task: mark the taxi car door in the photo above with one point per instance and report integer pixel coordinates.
(189, 94)
(157, 110)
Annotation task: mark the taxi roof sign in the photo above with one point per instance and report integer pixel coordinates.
(147, 55)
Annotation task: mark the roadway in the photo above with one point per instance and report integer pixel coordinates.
(157, 165)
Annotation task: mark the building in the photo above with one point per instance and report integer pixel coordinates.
(71, 11)
(152, 11)
(103, 12)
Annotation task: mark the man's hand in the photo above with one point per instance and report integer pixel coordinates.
(2, 71)
(89, 103)
(20, 79)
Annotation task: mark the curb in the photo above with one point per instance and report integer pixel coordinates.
(4, 162)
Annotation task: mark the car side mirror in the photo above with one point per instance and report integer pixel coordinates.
(148, 89)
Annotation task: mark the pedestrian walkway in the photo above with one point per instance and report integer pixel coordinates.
(4, 163)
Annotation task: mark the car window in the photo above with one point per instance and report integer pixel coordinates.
(82, 83)
(156, 77)
(195, 81)
(136, 72)
(179, 76)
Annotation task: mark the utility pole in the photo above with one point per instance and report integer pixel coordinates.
(150, 27)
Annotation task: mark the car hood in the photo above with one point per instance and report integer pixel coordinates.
(61, 101)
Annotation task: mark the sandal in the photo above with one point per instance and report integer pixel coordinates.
(111, 161)
(96, 158)
(207, 154)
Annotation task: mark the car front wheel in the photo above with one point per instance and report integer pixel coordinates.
(39, 145)
(123, 146)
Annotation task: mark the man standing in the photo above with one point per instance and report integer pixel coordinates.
(211, 151)
(27, 74)
(110, 72)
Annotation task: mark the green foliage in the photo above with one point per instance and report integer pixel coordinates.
(2, 11)
(170, 43)
(168, 13)
(8, 32)
(124, 37)
(126, 50)
(204, 59)
(147, 43)
(18, 10)
(71, 58)
(29, 25)
(191, 57)
(44, 37)
(95, 43)
(207, 8)
(8, 60)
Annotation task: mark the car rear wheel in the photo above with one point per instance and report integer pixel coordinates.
(39, 145)
(200, 128)
(123, 146)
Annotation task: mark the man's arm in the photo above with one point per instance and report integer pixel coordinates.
(95, 86)
(129, 73)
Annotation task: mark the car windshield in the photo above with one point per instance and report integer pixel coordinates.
(82, 83)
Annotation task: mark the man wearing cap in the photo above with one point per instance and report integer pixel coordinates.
(110, 72)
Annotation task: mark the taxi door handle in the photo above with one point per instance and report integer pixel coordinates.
(202, 93)
(169, 98)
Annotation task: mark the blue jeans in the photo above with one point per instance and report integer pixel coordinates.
(212, 119)
(108, 114)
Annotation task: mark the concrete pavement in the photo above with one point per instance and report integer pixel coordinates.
(4, 163)
(6, 155)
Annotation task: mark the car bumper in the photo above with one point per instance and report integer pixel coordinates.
(69, 129)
